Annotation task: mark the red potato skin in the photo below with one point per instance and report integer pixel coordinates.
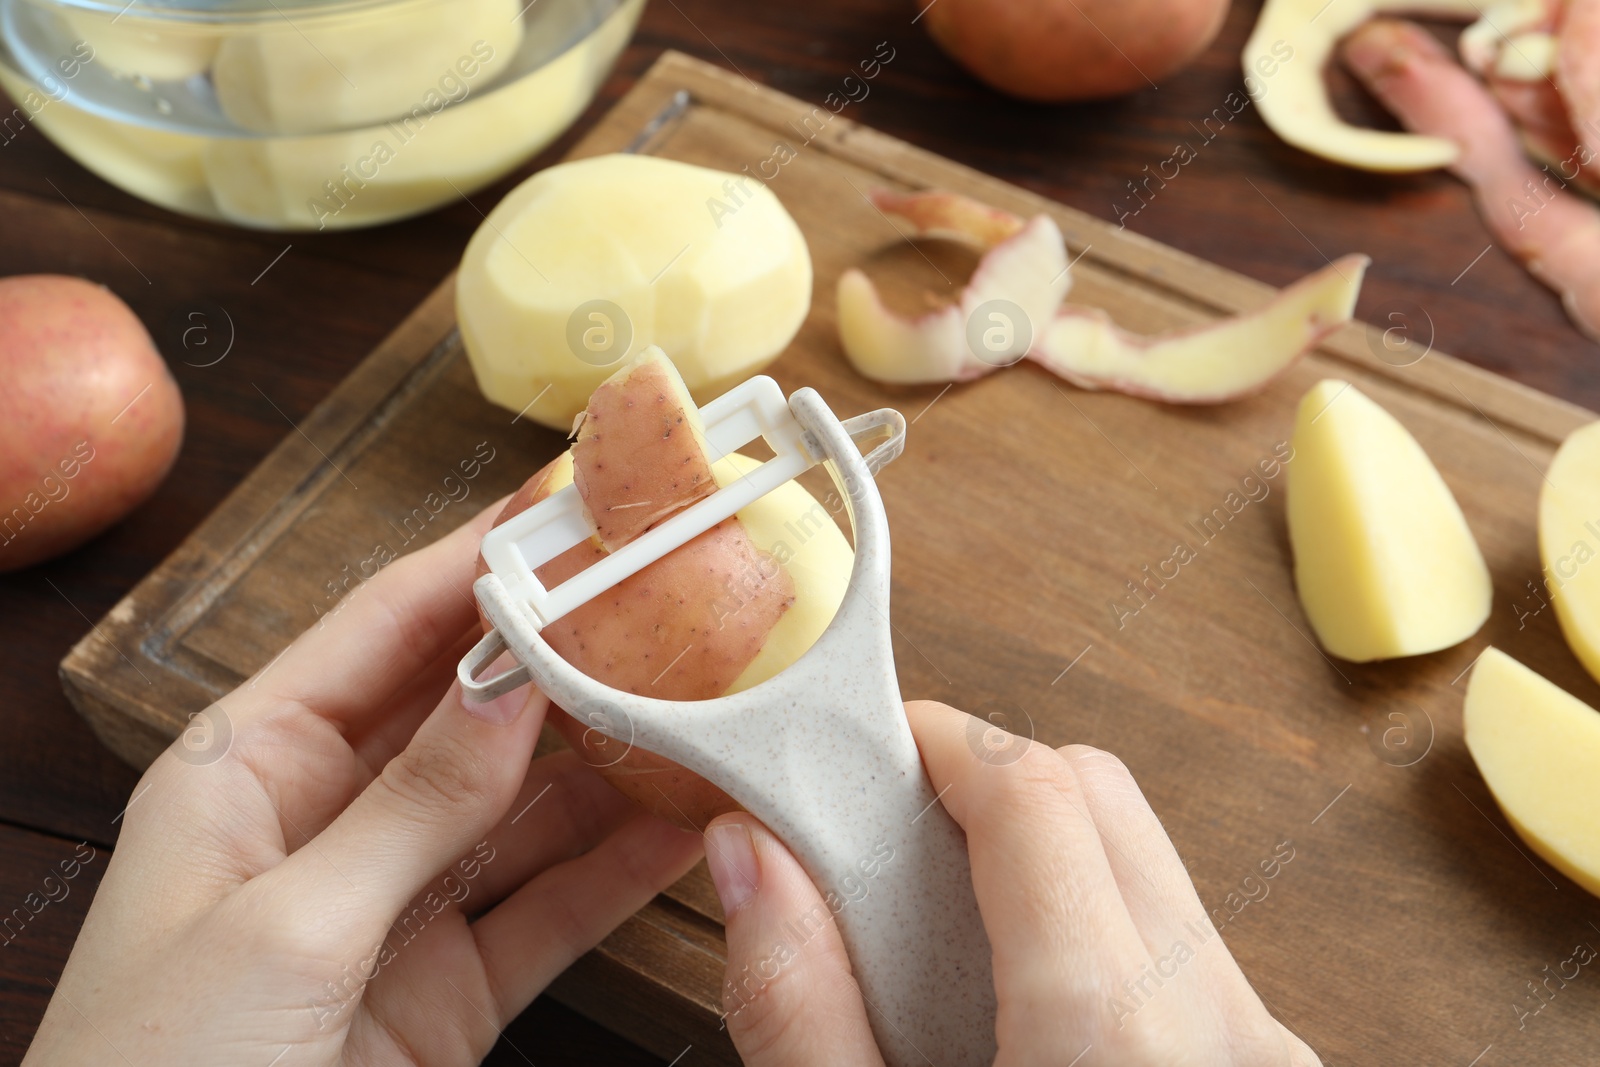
(950, 215)
(681, 654)
(90, 418)
(635, 428)
(1057, 50)
(1555, 234)
(1578, 71)
(1558, 116)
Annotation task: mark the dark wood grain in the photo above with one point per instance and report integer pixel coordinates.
(1247, 202)
(46, 884)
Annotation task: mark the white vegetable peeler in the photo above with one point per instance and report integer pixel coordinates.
(821, 753)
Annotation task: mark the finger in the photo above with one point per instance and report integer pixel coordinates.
(310, 772)
(282, 776)
(385, 736)
(430, 805)
(1155, 887)
(347, 666)
(1050, 903)
(1190, 961)
(563, 810)
(538, 931)
(789, 996)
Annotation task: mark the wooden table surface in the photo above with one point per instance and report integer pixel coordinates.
(1245, 201)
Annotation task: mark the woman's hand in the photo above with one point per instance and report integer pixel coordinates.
(352, 869)
(1081, 892)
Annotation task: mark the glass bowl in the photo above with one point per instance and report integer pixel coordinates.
(304, 114)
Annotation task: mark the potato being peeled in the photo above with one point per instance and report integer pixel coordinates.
(724, 612)
(588, 263)
(90, 418)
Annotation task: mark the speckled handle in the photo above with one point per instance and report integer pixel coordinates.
(822, 754)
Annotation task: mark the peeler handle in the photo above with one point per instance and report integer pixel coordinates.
(822, 754)
(845, 789)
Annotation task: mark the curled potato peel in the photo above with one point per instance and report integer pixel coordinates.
(1014, 301)
(1294, 103)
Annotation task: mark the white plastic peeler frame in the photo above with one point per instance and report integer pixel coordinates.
(821, 753)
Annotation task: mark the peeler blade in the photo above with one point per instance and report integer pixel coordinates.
(516, 549)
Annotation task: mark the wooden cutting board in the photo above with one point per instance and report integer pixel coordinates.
(1407, 922)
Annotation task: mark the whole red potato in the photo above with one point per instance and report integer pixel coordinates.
(1055, 50)
(90, 418)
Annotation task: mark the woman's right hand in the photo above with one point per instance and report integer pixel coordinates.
(1081, 893)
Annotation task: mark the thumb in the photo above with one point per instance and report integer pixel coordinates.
(788, 996)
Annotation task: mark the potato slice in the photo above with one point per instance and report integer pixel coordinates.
(1538, 748)
(1383, 559)
(1569, 541)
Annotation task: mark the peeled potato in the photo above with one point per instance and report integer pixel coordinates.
(726, 611)
(1569, 534)
(357, 177)
(90, 419)
(1383, 559)
(335, 73)
(1538, 748)
(157, 165)
(147, 48)
(588, 263)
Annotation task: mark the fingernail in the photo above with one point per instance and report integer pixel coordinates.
(501, 711)
(731, 855)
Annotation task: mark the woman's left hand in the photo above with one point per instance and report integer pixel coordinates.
(335, 865)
